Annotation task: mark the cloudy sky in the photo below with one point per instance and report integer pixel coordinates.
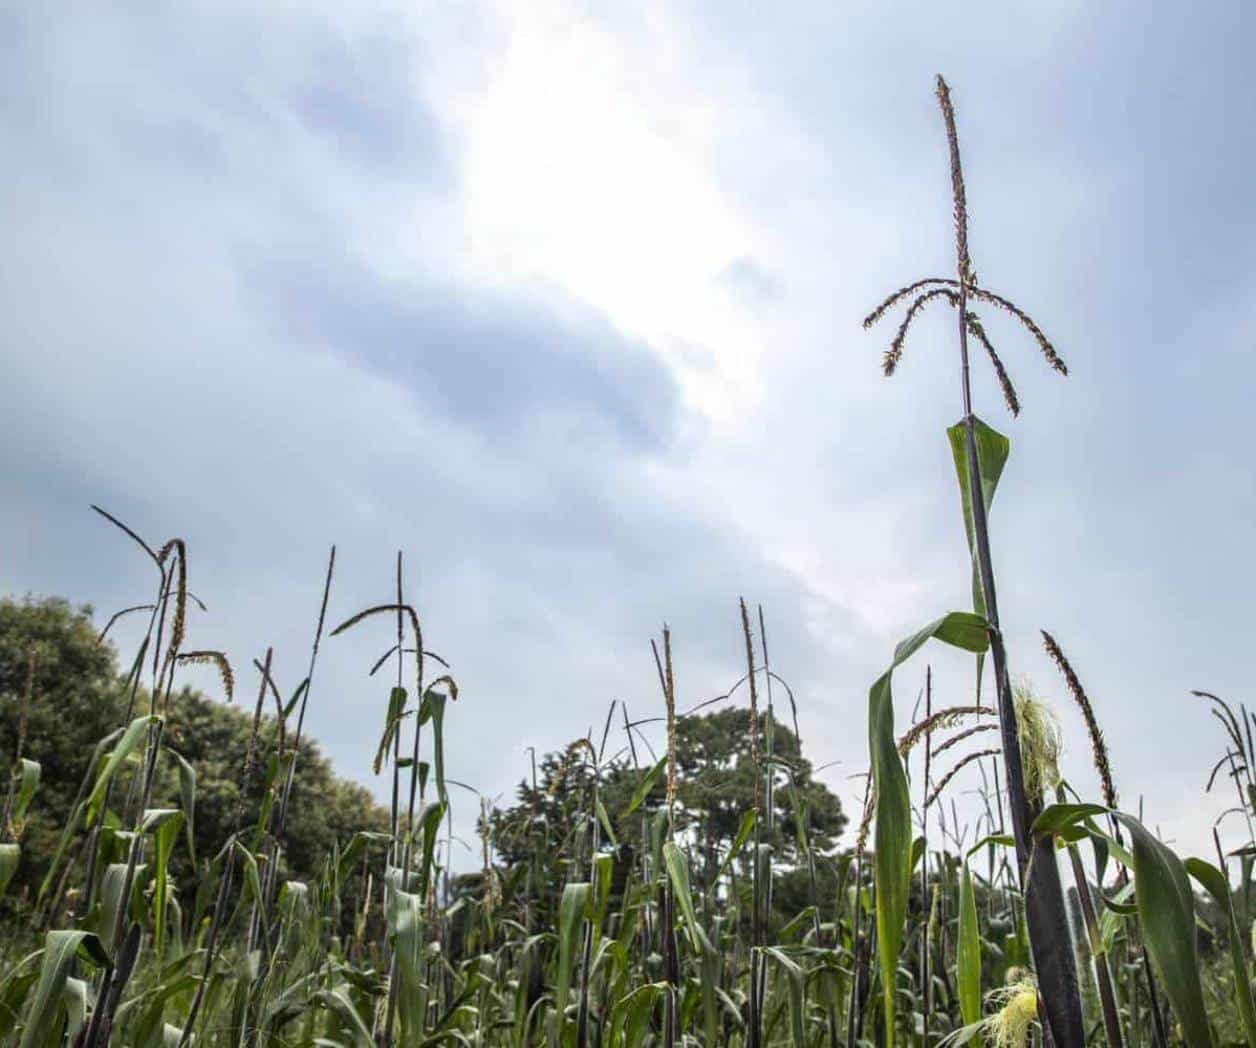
(564, 301)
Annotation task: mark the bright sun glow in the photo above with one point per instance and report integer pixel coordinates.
(571, 181)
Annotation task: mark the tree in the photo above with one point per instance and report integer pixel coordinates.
(717, 781)
(77, 696)
(551, 824)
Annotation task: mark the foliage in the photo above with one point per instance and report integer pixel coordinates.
(79, 696)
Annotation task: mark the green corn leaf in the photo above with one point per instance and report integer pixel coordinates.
(1114, 916)
(75, 995)
(437, 701)
(629, 1019)
(164, 824)
(893, 829)
(644, 787)
(994, 840)
(14, 987)
(302, 688)
(148, 1021)
(10, 856)
(678, 871)
(605, 820)
(968, 951)
(1166, 912)
(405, 925)
(603, 871)
(429, 820)
(1056, 818)
(187, 798)
(396, 711)
(27, 784)
(111, 902)
(338, 1003)
(61, 949)
(743, 834)
(1216, 884)
(131, 738)
(571, 910)
(252, 879)
(797, 994)
(992, 452)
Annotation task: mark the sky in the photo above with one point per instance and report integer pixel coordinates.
(563, 301)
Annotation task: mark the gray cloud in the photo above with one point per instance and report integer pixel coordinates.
(238, 303)
(492, 361)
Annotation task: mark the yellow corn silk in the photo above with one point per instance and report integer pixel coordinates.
(1040, 740)
(1017, 1005)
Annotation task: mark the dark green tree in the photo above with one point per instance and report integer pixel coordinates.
(717, 781)
(77, 696)
(550, 826)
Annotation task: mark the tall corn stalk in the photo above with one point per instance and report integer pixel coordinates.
(979, 457)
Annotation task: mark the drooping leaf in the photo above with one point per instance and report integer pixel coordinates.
(743, 834)
(1055, 818)
(338, 1003)
(187, 798)
(797, 994)
(75, 1008)
(27, 784)
(644, 787)
(1216, 884)
(605, 820)
(131, 738)
(392, 721)
(893, 828)
(437, 701)
(61, 949)
(1166, 913)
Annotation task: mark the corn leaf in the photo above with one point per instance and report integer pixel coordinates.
(10, 856)
(1166, 911)
(992, 452)
(678, 871)
(131, 738)
(27, 784)
(968, 951)
(571, 908)
(893, 830)
(1216, 884)
(61, 949)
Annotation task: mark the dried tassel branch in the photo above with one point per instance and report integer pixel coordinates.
(937, 790)
(218, 659)
(890, 361)
(1098, 744)
(978, 332)
(939, 721)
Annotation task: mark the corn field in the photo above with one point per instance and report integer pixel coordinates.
(1054, 917)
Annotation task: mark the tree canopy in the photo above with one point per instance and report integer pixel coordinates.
(551, 826)
(65, 686)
